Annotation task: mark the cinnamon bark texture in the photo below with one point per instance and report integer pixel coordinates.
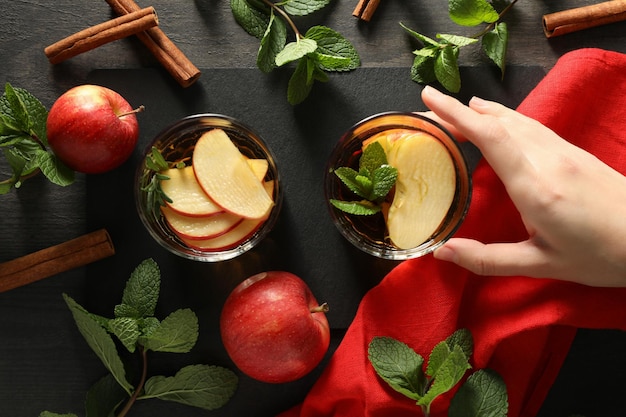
(47, 262)
(573, 20)
(91, 38)
(165, 51)
(365, 9)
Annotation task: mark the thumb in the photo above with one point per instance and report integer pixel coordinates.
(495, 259)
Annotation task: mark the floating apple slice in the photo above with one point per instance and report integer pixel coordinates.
(259, 167)
(386, 138)
(240, 233)
(424, 189)
(187, 196)
(225, 175)
(200, 227)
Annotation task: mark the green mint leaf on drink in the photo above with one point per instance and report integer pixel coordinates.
(139, 331)
(155, 196)
(24, 143)
(372, 182)
(312, 54)
(483, 394)
(202, 386)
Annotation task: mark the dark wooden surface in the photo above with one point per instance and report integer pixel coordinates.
(45, 364)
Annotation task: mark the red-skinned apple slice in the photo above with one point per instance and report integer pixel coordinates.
(225, 175)
(188, 198)
(197, 228)
(233, 237)
(424, 189)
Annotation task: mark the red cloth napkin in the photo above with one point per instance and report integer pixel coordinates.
(522, 327)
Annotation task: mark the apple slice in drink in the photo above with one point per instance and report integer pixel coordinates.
(200, 227)
(259, 167)
(187, 196)
(240, 233)
(424, 189)
(225, 175)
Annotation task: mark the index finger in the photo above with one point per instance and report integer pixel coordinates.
(483, 130)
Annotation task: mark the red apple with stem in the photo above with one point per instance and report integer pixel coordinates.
(273, 328)
(92, 129)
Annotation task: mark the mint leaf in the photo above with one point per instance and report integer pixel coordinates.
(472, 12)
(56, 172)
(447, 68)
(50, 414)
(398, 365)
(373, 157)
(457, 39)
(100, 342)
(252, 19)
(272, 43)
(127, 331)
(334, 52)
(358, 208)
(484, 394)
(17, 109)
(422, 38)
(349, 177)
(293, 51)
(203, 386)
(104, 397)
(301, 81)
(383, 180)
(423, 68)
(177, 333)
(462, 338)
(141, 292)
(495, 44)
(304, 7)
(447, 374)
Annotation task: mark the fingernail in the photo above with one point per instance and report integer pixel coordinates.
(477, 102)
(444, 253)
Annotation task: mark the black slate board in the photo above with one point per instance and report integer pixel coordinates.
(304, 241)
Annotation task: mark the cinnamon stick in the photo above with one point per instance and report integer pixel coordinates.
(98, 35)
(572, 20)
(365, 9)
(55, 259)
(165, 51)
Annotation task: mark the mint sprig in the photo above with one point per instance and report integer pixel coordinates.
(438, 60)
(24, 142)
(482, 394)
(155, 196)
(315, 53)
(134, 325)
(372, 182)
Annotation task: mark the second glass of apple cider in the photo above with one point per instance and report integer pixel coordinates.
(431, 195)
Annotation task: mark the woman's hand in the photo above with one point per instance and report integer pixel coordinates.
(572, 204)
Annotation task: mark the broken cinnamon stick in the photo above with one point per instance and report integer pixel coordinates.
(365, 9)
(55, 259)
(573, 20)
(112, 30)
(165, 51)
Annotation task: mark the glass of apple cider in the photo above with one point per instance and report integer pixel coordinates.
(208, 188)
(428, 198)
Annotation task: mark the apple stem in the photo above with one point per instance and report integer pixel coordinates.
(323, 308)
(134, 111)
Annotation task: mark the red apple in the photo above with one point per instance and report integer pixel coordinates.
(273, 329)
(92, 129)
